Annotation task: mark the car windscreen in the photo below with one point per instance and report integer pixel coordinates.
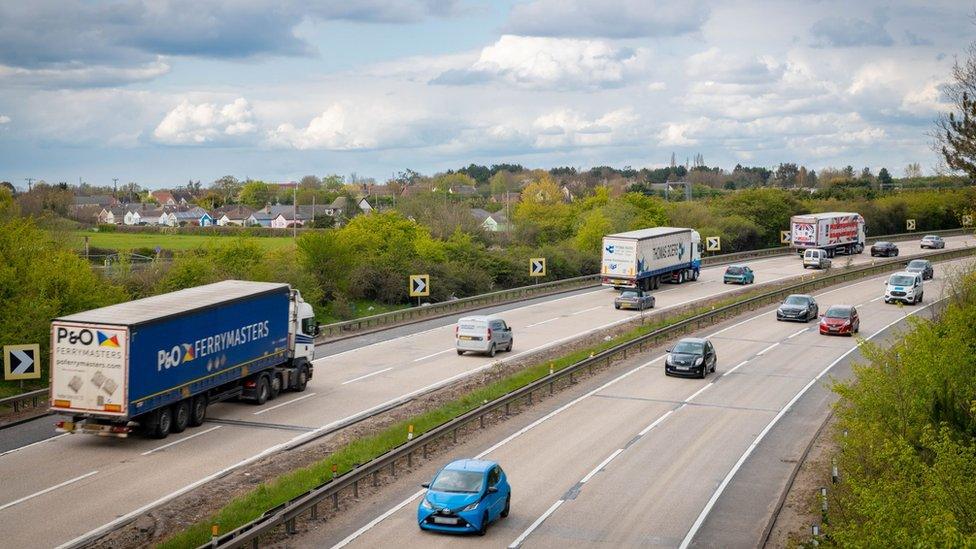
(838, 312)
(464, 482)
(795, 300)
(689, 347)
(917, 264)
(628, 295)
(901, 280)
(734, 271)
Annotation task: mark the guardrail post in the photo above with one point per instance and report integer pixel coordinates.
(315, 512)
(530, 398)
(508, 410)
(455, 436)
(335, 500)
(482, 421)
(409, 459)
(255, 544)
(376, 478)
(550, 388)
(425, 451)
(290, 527)
(355, 489)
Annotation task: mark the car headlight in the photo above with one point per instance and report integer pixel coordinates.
(699, 360)
(471, 507)
(426, 504)
(667, 360)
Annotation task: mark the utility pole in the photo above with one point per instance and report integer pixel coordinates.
(115, 180)
(294, 211)
(29, 180)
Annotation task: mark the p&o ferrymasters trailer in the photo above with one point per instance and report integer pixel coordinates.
(644, 258)
(835, 232)
(157, 363)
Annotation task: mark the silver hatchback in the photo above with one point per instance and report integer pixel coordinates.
(482, 334)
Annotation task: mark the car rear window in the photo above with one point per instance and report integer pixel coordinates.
(628, 294)
(734, 270)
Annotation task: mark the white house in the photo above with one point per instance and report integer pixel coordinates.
(288, 220)
(132, 217)
(364, 205)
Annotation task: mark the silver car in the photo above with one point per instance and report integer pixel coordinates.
(632, 299)
(933, 241)
(482, 334)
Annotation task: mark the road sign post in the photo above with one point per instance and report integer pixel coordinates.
(21, 362)
(910, 224)
(537, 266)
(419, 286)
(713, 244)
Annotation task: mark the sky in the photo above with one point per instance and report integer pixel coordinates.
(160, 92)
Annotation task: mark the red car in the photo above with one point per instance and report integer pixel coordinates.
(840, 320)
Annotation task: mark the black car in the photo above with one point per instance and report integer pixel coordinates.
(798, 307)
(691, 357)
(884, 249)
(923, 266)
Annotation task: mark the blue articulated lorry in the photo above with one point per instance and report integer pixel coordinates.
(156, 364)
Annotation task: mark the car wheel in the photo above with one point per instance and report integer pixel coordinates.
(460, 352)
(508, 505)
(510, 343)
(198, 411)
(615, 306)
(164, 421)
(262, 391)
(181, 416)
(857, 327)
(484, 525)
(491, 350)
(704, 371)
(725, 282)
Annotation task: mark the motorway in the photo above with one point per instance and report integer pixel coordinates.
(90, 483)
(641, 459)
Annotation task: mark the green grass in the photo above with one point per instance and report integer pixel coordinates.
(360, 308)
(174, 242)
(246, 508)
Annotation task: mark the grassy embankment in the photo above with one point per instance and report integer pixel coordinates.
(175, 242)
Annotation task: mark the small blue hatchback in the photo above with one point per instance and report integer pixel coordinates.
(465, 496)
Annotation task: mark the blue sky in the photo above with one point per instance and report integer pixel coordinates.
(159, 92)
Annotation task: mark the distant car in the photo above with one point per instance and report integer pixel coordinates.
(465, 497)
(799, 307)
(816, 258)
(884, 249)
(738, 274)
(922, 266)
(905, 287)
(482, 334)
(692, 356)
(933, 241)
(634, 299)
(840, 320)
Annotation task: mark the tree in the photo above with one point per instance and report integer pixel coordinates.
(310, 182)
(9, 186)
(256, 194)
(332, 183)
(913, 170)
(955, 133)
(884, 179)
(866, 173)
(227, 186)
(503, 181)
(786, 174)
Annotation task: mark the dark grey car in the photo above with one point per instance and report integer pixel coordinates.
(923, 266)
(631, 299)
(691, 357)
(798, 307)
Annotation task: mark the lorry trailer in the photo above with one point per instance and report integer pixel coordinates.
(644, 258)
(156, 364)
(834, 232)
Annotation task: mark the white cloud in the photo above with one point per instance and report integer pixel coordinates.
(73, 75)
(551, 63)
(4, 119)
(191, 124)
(673, 134)
(713, 65)
(348, 125)
(657, 86)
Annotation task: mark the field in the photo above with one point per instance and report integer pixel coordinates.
(173, 242)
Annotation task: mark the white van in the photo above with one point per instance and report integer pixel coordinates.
(816, 258)
(482, 334)
(905, 287)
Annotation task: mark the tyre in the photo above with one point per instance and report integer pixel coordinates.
(301, 382)
(163, 423)
(695, 274)
(725, 281)
(704, 371)
(857, 328)
(491, 350)
(510, 343)
(508, 505)
(484, 525)
(262, 391)
(198, 411)
(615, 306)
(181, 416)
(275, 387)
(460, 352)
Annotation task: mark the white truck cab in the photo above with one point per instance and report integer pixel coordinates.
(816, 258)
(482, 334)
(905, 287)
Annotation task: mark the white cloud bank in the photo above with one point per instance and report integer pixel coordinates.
(202, 123)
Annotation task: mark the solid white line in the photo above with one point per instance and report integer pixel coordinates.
(745, 455)
(367, 375)
(433, 355)
(377, 520)
(761, 353)
(798, 333)
(879, 298)
(698, 392)
(24, 447)
(543, 322)
(655, 423)
(46, 490)
(737, 366)
(601, 465)
(175, 442)
(588, 310)
(276, 406)
(518, 541)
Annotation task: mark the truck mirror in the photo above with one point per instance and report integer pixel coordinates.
(318, 328)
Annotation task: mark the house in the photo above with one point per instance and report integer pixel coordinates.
(195, 216)
(463, 191)
(338, 206)
(146, 217)
(288, 220)
(100, 200)
(164, 198)
(111, 216)
(260, 218)
(364, 205)
(232, 215)
(491, 222)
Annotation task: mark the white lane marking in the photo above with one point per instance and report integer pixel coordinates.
(543, 322)
(367, 375)
(745, 455)
(879, 298)
(276, 406)
(770, 348)
(46, 490)
(175, 442)
(797, 333)
(655, 423)
(433, 355)
(698, 392)
(737, 366)
(519, 540)
(24, 447)
(398, 338)
(377, 520)
(588, 310)
(601, 465)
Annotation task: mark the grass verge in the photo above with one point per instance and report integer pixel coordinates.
(249, 506)
(134, 241)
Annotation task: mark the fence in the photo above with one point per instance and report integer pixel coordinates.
(287, 513)
(19, 402)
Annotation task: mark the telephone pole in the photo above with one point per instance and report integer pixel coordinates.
(29, 181)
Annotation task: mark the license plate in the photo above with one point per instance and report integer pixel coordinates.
(445, 520)
(682, 367)
(466, 338)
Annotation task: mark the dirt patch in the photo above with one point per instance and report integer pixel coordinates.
(802, 504)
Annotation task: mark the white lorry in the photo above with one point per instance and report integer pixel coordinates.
(644, 258)
(833, 232)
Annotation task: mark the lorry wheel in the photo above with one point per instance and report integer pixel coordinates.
(181, 416)
(275, 387)
(198, 411)
(301, 380)
(262, 391)
(164, 420)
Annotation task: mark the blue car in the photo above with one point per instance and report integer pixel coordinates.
(739, 274)
(466, 496)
